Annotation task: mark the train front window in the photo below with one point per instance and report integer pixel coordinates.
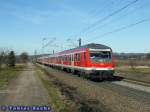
(100, 56)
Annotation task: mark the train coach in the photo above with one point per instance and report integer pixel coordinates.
(91, 60)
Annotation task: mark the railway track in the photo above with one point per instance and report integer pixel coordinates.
(136, 78)
(113, 94)
(131, 80)
(127, 82)
(143, 83)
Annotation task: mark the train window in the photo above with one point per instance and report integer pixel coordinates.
(101, 56)
(69, 58)
(65, 57)
(84, 56)
(60, 58)
(72, 58)
(75, 57)
(78, 57)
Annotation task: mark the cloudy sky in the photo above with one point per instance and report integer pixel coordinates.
(24, 23)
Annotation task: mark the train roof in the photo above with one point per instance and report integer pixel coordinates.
(90, 46)
(95, 46)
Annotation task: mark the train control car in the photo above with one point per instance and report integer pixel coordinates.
(91, 60)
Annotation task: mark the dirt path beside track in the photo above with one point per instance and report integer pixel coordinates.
(27, 89)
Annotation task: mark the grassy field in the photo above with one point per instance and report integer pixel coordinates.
(128, 69)
(7, 74)
(138, 70)
(133, 66)
(69, 87)
(135, 62)
(57, 100)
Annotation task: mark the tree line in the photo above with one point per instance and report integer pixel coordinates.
(9, 58)
(143, 56)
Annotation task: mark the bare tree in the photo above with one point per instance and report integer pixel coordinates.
(11, 59)
(24, 57)
(148, 56)
(132, 62)
(1, 58)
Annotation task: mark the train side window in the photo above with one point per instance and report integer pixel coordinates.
(78, 57)
(66, 58)
(84, 56)
(69, 58)
(63, 58)
(72, 59)
(60, 58)
(75, 57)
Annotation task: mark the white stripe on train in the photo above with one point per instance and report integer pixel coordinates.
(81, 68)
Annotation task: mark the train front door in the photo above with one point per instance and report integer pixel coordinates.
(72, 60)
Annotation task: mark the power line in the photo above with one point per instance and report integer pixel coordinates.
(110, 15)
(97, 10)
(125, 27)
(72, 42)
(94, 12)
(125, 15)
(50, 42)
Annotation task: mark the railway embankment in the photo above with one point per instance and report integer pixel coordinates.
(104, 96)
(139, 73)
(71, 100)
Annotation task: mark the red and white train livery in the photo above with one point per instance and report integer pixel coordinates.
(91, 60)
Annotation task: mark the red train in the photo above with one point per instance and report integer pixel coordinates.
(91, 60)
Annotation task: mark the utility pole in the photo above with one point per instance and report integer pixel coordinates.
(43, 39)
(49, 43)
(35, 56)
(53, 51)
(79, 42)
(73, 44)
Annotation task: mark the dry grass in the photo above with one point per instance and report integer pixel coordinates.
(140, 70)
(127, 62)
(57, 99)
(7, 74)
(95, 95)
